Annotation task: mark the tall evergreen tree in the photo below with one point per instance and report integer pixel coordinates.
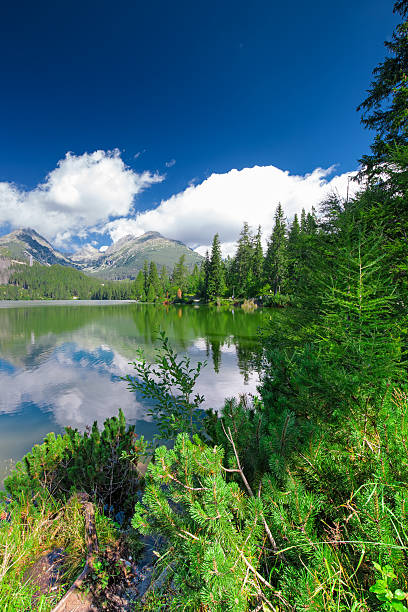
(294, 254)
(311, 222)
(303, 220)
(242, 263)
(139, 286)
(216, 282)
(385, 108)
(164, 280)
(146, 275)
(276, 260)
(257, 262)
(154, 280)
(180, 273)
(194, 280)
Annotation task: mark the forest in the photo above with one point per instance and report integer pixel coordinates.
(274, 277)
(295, 499)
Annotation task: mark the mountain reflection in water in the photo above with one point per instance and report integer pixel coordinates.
(62, 365)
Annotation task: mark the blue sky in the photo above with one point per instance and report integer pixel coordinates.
(183, 90)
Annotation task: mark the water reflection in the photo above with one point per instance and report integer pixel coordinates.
(62, 365)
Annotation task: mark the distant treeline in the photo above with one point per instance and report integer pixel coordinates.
(60, 282)
(281, 270)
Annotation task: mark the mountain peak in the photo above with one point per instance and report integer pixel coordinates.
(125, 257)
(25, 241)
(151, 235)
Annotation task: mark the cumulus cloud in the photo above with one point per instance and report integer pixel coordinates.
(222, 202)
(95, 192)
(83, 190)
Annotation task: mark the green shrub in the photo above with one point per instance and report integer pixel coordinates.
(170, 384)
(102, 464)
(214, 530)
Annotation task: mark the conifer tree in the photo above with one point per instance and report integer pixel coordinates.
(180, 272)
(146, 276)
(385, 108)
(242, 263)
(204, 276)
(154, 280)
(151, 294)
(311, 222)
(294, 253)
(257, 262)
(276, 260)
(303, 220)
(216, 283)
(164, 280)
(194, 280)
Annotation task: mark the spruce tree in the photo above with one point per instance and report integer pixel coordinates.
(205, 276)
(154, 280)
(146, 276)
(194, 280)
(303, 220)
(294, 254)
(242, 264)
(180, 272)
(257, 262)
(216, 283)
(276, 260)
(311, 222)
(151, 294)
(385, 108)
(164, 280)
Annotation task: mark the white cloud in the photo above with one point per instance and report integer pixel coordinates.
(222, 202)
(83, 190)
(95, 192)
(170, 164)
(103, 248)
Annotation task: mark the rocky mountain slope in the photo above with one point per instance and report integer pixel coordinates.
(126, 257)
(121, 260)
(87, 255)
(22, 243)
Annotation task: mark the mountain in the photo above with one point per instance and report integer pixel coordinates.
(126, 257)
(22, 243)
(123, 259)
(86, 255)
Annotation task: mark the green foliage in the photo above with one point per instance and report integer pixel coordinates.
(276, 259)
(216, 282)
(180, 273)
(27, 532)
(60, 282)
(214, 531)
(391, 599)
(242, 264)
(102, 464)
(385, 108)
(277, 300)
(139, 287)
(170, 384)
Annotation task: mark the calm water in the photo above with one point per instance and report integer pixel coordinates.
(61, 364)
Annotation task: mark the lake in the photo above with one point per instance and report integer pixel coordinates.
(61, 363)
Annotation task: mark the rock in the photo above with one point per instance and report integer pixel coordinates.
(46, 572)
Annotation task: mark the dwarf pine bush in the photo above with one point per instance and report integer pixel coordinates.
(215, 530)
(100, 463)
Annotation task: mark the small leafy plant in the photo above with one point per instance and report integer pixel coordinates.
(391, 599)
(169, 383)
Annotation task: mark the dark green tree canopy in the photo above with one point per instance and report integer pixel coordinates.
(385, 108)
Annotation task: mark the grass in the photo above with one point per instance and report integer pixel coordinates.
(28, 531)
